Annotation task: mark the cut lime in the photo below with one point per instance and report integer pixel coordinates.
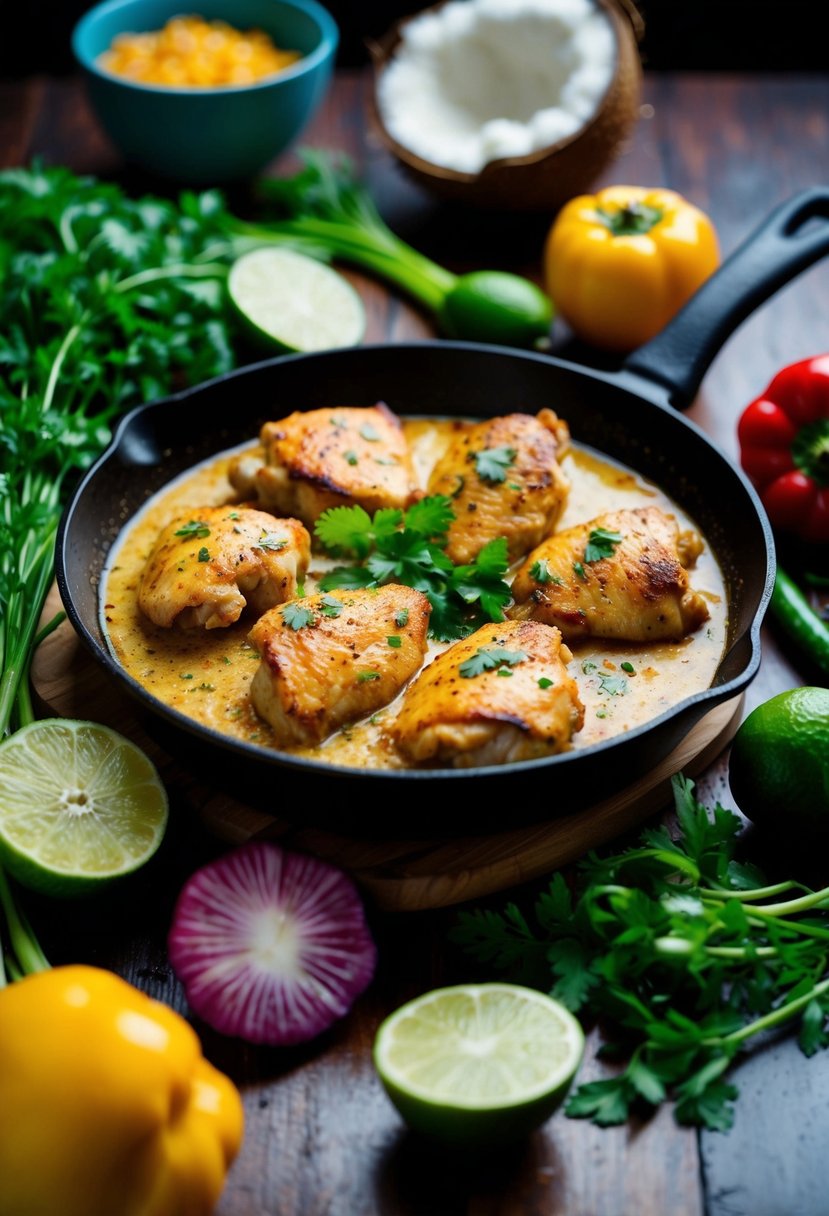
(478, 1063)
(79, 805)
(295, 303)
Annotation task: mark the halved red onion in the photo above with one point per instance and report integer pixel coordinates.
(271, 946)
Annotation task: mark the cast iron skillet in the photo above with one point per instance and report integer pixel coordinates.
(627, 414)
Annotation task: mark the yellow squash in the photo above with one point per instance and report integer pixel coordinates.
(619, 264)
(107, 1106)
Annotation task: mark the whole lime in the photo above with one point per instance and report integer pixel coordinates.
(493, 306)
(779, 766)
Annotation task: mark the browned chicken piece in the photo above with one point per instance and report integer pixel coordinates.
(208, 565)
(500, 695)
(504, 479)
(330, 659)
(328, 458)
(637, 592)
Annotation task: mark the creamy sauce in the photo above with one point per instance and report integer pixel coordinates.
(206, 674)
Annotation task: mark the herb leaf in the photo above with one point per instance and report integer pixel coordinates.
(487, 658)
(601, 543)
(195, 528)
(271, 542)
(296, 617)
(540, 571)
(491, 464)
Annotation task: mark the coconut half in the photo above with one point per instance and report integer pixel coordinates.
(512, 104)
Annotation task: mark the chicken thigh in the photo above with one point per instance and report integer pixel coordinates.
(330, 659)
(329, 458)
(620, 576)
(206, 567)
(504, 479)
(500, 695)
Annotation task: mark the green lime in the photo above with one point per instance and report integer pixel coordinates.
(779, 766)
(492, 306)
(79, 805)
(478, 1064)
(295, 303)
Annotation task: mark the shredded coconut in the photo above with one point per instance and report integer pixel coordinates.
(483, 79)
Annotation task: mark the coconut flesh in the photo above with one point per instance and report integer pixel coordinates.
(478, 80)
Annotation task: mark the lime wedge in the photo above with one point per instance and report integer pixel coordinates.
(79, 805)
(292, 302)
(478, 1063)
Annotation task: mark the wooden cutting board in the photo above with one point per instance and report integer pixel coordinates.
(403, 875)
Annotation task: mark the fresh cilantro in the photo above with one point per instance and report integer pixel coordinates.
(682, 953)
(601, 543)
(614, 686)
(579, 569)
(503, 671)
(629, 668)
(339, 423)
(186, 675)
(588, 667)
(370, 433)
(204, 554)
(401, 618)
(350, 457)
(540, 572)
(408, 547)
(195, 528)
(271, 542)
(488, 658)
(363, 676)
(491, 464)
(330, 606)
(296, 617)
(545, 682)
(395, 641)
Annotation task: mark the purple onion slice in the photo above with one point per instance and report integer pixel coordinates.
(271, 946)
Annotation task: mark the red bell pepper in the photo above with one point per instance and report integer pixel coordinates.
(784, 448)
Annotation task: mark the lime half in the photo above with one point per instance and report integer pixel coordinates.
(292, 302)
(478, 1063)
(79, 805)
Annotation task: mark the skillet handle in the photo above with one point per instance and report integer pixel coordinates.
(782, 247)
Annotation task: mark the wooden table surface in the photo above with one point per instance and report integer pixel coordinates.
(321, 1137)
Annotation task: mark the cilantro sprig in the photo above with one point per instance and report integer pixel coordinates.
(408, 547)
(601, 543)
(490, 658)
(683, 953)
(491, 464)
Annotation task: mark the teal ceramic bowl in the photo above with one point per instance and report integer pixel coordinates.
(204, 136)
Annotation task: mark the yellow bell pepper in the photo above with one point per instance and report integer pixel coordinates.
(619, 264)
(107, 1106)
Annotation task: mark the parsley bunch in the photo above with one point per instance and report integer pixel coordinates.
(408, 547)
(683, 954)
(105, 302)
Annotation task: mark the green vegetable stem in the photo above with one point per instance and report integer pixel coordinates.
(327, 212)
(798, 618)
(681, 951)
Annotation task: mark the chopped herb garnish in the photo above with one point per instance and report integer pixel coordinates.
(363, 676)
(351, 457)
(204, 555)
(233, 515)
(492, 463)
(540, 571)
(271, 542)
(629, 668)
(513, 485)
(503, 671)
(395, 641)
(487, 658)
(331, 606)
(196, 528)
(186, 675)
(544, 682)
(375, 718)
(614, 686)
(370, 433)
(225, 659)
(234, 713)
(601, 543)
(401, 618)
(579, 569)
(408, 548)
(461, 480)
(601, 713)
(384, 460)
(296, 617)
(339, 423)
(587, 667)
